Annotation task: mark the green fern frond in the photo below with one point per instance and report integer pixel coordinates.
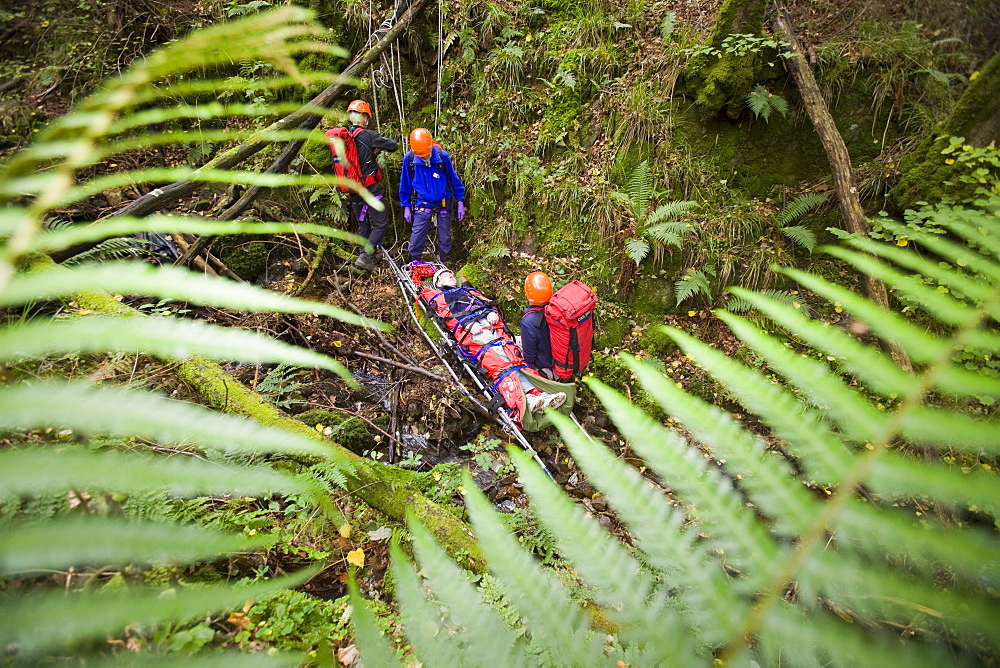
(803, 236)
(112, 249)
(474, 626)
(659, 529)
(669, 210)
(605, 564)
(59, 239)
(694, 282)
(171, 338)
(369, 638)
(136, 278)
(541, 600)
(668, 233)
(43, 470)
(70, 542)
(712, 499)
(765, 478)
(640, 189)
(637, 249)
(83, 408)
(30, 626)
(667, 25)
(799, 207)
(426, 627)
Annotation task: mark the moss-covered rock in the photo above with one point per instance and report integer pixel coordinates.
(347, 430)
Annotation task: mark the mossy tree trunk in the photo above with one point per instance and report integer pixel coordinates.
(975, 118)
(723, 81)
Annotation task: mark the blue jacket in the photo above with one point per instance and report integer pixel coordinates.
(535, 339)
(427, 185)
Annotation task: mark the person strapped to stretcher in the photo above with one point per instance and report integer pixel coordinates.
(483, 339)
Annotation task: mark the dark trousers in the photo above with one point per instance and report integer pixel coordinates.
(422, 218)
(372, 224)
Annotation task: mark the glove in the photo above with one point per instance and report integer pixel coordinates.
(407, 214)
(461, 209)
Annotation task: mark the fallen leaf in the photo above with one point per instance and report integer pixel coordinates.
(356, 557)
(345, 531)
(348, 655)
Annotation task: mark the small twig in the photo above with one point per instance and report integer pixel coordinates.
(398, 365)
(321, 247)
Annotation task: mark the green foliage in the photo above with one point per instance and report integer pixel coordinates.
(817, 551)
(280, 385)
(762, 102)
(637, 198)
(694, 282)
(975, 169)
(44, 622)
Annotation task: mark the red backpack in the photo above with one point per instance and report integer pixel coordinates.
(570, 317)
(347, 165)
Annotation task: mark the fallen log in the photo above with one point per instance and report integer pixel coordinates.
(845, 185)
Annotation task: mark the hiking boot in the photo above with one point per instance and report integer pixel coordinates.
(556, 400)
(365, 262)
(539, 402)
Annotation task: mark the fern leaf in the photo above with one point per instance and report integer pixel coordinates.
(859, 421)
(84, 409)
(533, 591)
(605, 565)
(667, 25)
(864, 362)
(667, 233)
(669, 210)
(53, 620)
(112, 249)
(799, 207)
(54, 240)
(640, 190)
(165, 337)
(764, 477)
(481, 632)
(711, 497)
(59, 544)
(758, 103)
(425, 628)
(943, 306)
(948, 276)
(637, 249)
(917, 343)
(372, 643)
(801, 235)
(136, 278)
(694, 282)
(42, 470)
(823, 455)
(658, 529)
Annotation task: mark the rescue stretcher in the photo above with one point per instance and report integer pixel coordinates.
(497, 383)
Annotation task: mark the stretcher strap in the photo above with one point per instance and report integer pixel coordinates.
(503, 376)
(491, 344)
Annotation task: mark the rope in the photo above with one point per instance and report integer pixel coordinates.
(440, 65)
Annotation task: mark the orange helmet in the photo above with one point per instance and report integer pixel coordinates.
(538, 288)
(421, 141)
(360, 106)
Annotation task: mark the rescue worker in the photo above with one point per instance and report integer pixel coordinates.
(535, 341)
(426, 182)
(488, 330)
(371, 224)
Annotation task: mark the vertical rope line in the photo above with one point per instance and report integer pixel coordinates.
(440, 64)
